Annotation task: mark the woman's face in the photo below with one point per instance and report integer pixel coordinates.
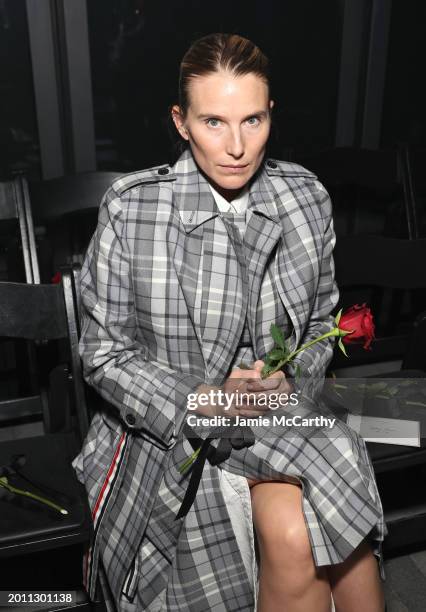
(227, 126)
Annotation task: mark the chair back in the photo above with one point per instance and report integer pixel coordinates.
(415, 160)
(57, 197)
(44, 313)
(376, 170)
(15, 205)
(369, 190)
(67, 210)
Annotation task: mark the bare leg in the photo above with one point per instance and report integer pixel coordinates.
(356, 583)
(289, 579)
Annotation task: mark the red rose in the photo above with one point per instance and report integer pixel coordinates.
(359, 320)
(56, 279)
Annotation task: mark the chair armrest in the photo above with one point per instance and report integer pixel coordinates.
(415, 355)
(59, 403)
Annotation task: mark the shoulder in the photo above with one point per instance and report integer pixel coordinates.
(148, 177)
(276, 167)
(303, 183)
(127, 192)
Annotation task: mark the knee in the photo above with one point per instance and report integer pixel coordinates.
(281, 529)
(288, 543)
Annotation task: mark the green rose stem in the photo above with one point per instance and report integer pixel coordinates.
(190, 460)
(335, 332)
(43, 500)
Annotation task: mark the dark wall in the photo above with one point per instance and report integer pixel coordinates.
(136, 48)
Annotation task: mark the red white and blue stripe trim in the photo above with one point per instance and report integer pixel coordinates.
(90, 559)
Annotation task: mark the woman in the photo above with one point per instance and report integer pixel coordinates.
(187, 269)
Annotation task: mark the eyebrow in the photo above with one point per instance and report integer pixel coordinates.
(260, 113)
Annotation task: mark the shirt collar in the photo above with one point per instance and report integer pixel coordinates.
(238, 205)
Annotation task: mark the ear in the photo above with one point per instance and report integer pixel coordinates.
(179, 121)
(271, 105)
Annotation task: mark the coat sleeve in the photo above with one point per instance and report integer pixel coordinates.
(313, 362)
(150, 397)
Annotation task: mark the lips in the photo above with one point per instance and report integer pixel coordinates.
(234, 167)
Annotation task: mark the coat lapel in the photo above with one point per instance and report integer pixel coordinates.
(297, 263)
(263, 233)
(201, 246)
(277, 221)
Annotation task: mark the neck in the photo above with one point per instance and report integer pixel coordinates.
(228, 194)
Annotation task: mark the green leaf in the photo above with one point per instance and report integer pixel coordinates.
(297, 371)
(268, 360)
(278, 336)
(338, 317)
(342, 348)
(4, 479)
(277, 354)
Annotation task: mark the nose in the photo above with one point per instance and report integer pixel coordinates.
(235, 143)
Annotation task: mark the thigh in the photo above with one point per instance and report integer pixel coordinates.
(284, 499)
(252, 482)
(275, 502)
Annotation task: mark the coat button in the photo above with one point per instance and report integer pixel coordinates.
(130, 419)
(163, 171)
(271, 164)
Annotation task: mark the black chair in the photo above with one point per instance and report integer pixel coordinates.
(379, 269)
(15, 209)
(415, 162)
(36, 540)
(67, 209)
(17, 363)
(369, 189)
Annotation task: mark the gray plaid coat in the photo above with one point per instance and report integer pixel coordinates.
(153, 329)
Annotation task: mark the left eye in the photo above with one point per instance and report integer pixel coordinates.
(253, 120)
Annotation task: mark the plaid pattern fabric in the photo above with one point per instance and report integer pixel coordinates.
(160, 317)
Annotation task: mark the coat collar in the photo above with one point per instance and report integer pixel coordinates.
(195, 201)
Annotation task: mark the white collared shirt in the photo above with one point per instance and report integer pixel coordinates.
(239, 205)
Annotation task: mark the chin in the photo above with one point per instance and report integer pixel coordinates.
(235, 182)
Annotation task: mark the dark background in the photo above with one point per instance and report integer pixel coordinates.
(135, 49)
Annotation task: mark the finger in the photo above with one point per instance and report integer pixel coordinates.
(277, 374)
(244, 374)
(284, 388)
(252, 412)
(263, 385)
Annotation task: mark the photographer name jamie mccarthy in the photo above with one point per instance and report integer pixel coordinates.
(274, 420)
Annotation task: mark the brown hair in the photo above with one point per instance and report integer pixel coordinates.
(216, 52)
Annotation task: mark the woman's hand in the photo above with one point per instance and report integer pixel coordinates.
(275, 383)
(242, 381)
(237, 383)
(233, 387)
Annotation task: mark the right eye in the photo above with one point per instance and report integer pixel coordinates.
(212, 122)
